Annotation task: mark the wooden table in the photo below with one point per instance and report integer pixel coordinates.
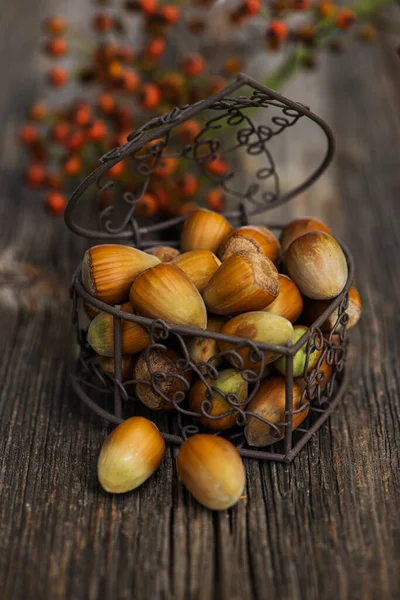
(328, 525)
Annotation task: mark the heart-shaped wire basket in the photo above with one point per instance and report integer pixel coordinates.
(230, 132)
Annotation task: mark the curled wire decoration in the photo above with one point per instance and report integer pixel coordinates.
(321, 385)
(158, 331)
(332, 351)
(228, 126)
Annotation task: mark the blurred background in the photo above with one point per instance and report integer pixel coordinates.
(79, 77)
(97, 75)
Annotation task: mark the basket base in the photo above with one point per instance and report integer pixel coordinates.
(305, 434)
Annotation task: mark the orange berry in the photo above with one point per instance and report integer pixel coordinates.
(106, 198)
(130, 80)
(55, 25)
(53, 181)
(38, 112)
(124, 116)
(172, 86)
(125, 53)
(196, 25)
(193, 64)
(232, 65)
(166, 167)
(35, 175)
(215, 199)
(79, 102)
(163, 197)
(28, 134)
(115, 70)
(58, 76)
(147, 206)
(148, 7)
(252, 7)
(185, 209)
(216, 84)
(187, 185)
(76, 141)
(345, 18)
(150, 96)
(105, 53)
(117, 170)
(60, 132)
(121, 138)
(217, 167)
(154, 49)
(57, 46)
(279, 7)
(102, 22)
(276, 34)
(306, 33)
(149, 146)
(106, 103)
(300, 5)
(39, 151)
(326, 8)
(169, 14)
(367, 33)
(97, 131)
(82, 115)
(244, 11)
(55, 203)
(189, 130)
(72, 166)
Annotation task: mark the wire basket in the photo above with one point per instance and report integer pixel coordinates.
(228, 129)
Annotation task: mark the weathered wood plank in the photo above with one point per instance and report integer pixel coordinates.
(328, 524)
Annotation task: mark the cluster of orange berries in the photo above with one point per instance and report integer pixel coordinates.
(64, 144)
(278, 31)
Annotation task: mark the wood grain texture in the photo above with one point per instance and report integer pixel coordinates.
(328, 525)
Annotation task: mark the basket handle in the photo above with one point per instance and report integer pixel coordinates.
(160, 126)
